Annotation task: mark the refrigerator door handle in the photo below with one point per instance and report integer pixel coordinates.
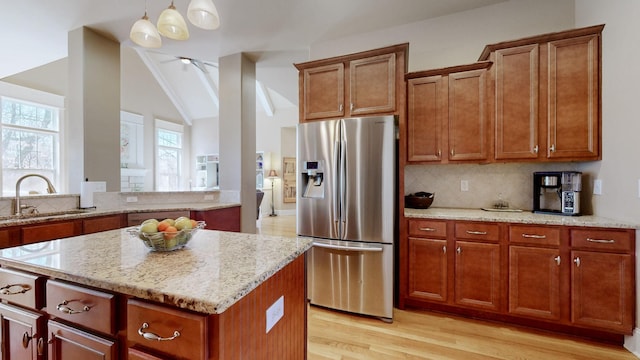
(343, 187)
(336, 197)
(348, 248)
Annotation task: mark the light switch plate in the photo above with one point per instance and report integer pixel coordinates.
(275, 312)
(208, 197)
(464, 185)
(597, 187)
(132, 199)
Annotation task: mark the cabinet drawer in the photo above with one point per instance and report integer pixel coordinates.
(51, 231)
(600, 239)
(477, 231)
(428, 228)
(185, 333)
(90, 308)
(534, 235)
(102, 223)
(22, 288)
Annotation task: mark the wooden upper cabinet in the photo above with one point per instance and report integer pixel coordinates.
(516, 96)
(547, 96)
(468, 125)
(323, 91)
(574, 98)
(361, 84)
(447, 114)
(372, 85)
(427, 99)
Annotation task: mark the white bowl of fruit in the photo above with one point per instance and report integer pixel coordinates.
(168, 234)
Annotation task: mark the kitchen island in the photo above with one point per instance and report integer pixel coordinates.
(228, 295)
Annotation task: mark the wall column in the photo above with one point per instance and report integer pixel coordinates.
(237, 89)
(93, 136)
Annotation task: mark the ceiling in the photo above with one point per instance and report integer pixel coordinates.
(276, 33)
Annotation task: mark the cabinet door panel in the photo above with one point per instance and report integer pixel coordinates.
(53, 231)
(428, 269)
(534, 282)
(372, 84)
(102, 223)
(468, 127)
(477, 275)
(427, 112)
(516, 83)
(602, 286)
(323, 92)
(21, 332)
(573, 98)
(66, 342)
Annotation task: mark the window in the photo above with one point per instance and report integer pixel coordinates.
(168, 156)
(30, 139)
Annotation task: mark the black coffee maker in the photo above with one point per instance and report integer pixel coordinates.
(557, 192)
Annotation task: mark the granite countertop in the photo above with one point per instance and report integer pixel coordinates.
(522, 217)
(212, 272)
(11, 220)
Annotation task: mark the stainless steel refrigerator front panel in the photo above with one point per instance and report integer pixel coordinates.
(317, 141)
(368, 179)
(358, 158)
(352, 276)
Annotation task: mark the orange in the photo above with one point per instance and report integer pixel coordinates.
(194, 224)
(162, 226)
(170, 232)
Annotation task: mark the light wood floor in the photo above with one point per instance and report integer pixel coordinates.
(426, 335)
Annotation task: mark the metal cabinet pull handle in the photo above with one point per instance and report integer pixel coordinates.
(351, 107)
(444, 249)
(533, 236)
(26, 338)
(458, 250)
(439, 153)
(601, 241)
(152, 336)
(62, 307)
(476, 232)
(535, 149)
(40, 346)
(557, 259)
(552, 148)
(452, 152)
(427, 229)
(577, 261)
(6, 290)
(341, 107)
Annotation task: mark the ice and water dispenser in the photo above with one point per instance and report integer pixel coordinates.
(313, 179)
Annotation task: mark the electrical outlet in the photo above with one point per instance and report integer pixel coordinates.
(464, 185)
(597, 187)
(275, 312)
(132, 199)
(208, 197)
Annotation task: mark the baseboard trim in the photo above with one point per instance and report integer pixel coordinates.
(632, 342)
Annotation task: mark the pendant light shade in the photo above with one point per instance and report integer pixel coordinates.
(203, 14)
(145, 34)
(172, 25)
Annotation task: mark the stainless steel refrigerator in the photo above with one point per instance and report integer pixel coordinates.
(346, 200)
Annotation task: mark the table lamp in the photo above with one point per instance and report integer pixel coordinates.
(273, 175)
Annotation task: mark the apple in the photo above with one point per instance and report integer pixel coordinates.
(171, 222)
(149, 227)
(183, 224)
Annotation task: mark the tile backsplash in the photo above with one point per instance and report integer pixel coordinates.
(511, 182)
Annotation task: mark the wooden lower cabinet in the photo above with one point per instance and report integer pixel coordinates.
(477, 275)
(67, 342)
(226, 219)
(602, 290)
(534, 282)
(428, 269)
(576, 280)
(22, 333)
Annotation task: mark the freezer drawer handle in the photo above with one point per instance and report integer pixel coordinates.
(601, 241)
(348, 248)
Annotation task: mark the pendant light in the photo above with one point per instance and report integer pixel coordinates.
(144, 33)
(203, 14)
(172, 25)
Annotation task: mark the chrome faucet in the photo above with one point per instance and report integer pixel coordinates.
(50, 190)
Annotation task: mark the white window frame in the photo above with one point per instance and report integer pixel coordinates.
(43, 98)
(169, 126)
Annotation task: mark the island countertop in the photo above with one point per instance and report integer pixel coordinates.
(211, 273)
